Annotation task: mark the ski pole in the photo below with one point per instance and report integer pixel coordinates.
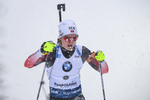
(102, 81)
(59, 7)
(42, 82)
(44, 90)
(89, 60)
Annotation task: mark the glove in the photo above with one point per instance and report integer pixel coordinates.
(99, 56)
(47, 47)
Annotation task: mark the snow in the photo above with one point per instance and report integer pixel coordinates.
(120, 28)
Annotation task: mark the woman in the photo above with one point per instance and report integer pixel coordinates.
(65, 60)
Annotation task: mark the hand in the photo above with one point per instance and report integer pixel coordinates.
(99, 56)
(47, 47)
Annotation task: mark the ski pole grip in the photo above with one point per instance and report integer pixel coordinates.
(59, 7)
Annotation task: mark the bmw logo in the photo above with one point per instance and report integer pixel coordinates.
(67, 66)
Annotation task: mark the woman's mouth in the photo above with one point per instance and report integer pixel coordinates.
(70, 46)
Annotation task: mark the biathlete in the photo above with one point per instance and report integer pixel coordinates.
(65, 59)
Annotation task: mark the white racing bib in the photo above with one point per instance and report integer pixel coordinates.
(66, 71)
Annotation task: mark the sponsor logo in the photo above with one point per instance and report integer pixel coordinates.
(66, 77)
(67, 66)
(61, 33)
(65, 85)
(77, 56)
(71, 28)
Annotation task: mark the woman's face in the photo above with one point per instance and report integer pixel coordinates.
(69, 41)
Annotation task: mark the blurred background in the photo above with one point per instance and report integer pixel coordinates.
(120, 28)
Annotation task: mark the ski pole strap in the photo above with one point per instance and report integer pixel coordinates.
(91, 57)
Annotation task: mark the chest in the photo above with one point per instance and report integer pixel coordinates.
(67, 66)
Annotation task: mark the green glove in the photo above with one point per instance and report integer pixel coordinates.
(99, 56)
(47, 47)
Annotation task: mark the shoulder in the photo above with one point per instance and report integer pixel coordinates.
(83, 49)
(85, 53)
(79, 47)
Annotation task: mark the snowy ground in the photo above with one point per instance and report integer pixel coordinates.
(121, 28)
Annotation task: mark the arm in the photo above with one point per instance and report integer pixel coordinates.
(34, 59)
(86, 55)
(40, 56)
(95, 64)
